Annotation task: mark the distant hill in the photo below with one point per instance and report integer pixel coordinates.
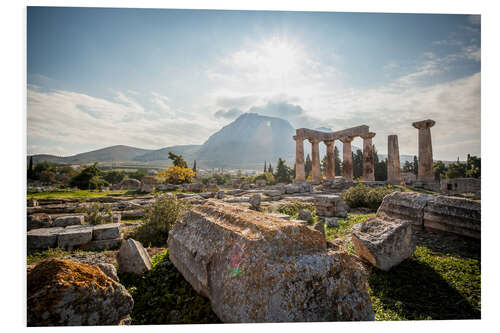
(189, 152)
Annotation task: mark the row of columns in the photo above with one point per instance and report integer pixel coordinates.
(368, 168)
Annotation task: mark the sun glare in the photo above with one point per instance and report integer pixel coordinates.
(279, 56)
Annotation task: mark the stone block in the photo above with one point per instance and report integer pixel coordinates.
(106, 231)
(453, 215)
(281, 216)
(40, 220)
(258, 268)
(65, 221)
(43, 238)
(105, 244)
(408, 206)
(383, 243)
(133, 258)
(74, 236)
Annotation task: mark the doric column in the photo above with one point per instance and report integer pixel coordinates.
(393, 165)
(300, 175)
(347, 156)
(425, 162)
(330, 159)
(368, 168)
(316, 168)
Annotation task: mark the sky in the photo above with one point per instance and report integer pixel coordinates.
(153, 78)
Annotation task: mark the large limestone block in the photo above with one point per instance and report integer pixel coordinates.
(41, 220)
(408, 206)
(106, 231)
(258, 268)
(68, 293)
(43, 238)
(454, 215)
(133, 258)
(74, 236)
(383, 243)
(65, 221)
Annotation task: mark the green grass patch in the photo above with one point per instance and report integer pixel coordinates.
(292, 210)
(428, 285)
(163, 296)
(76, 194)
(345, 226)
(42, 255)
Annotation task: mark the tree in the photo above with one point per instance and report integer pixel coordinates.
(270, 168)
(139, 174)
(338, 165)
(357, 164)
(82, 180)
(408, 167)
(30, 168)
(415, 165)
(456, 170)
(308, 165)
(473, 168)
(113, 176)
(265, 167)
(439, 170)
(177, 175)
(42, 166)
(178, 160)
(380, 167)
(282, 172)
(194, 166)
(47, 176)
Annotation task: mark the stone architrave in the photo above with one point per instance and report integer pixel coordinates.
(393, 165)
(347, 156)
(300, 175)
(316, 170)
(368, 167)
(425, 162)
(330, 159)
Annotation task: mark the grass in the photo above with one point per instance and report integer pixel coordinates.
(76, 194)
(428, 285)
(35, 257)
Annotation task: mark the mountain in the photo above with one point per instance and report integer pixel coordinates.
(247, 142)
(113, 153)
(189, 152)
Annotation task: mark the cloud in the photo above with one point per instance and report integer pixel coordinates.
(474, 19)
(229, 114)
(67, 123)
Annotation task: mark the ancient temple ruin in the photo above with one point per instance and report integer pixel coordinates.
(328, 138)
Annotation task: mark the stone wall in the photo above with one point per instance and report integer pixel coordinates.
(461, 185)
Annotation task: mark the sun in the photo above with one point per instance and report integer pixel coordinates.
(280, 56)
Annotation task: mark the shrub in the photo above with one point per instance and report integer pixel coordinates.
(97, 182)
(160, 216)
(97, 213)
(292, 209)
(163, 296)
(177, 175)
(82, 180)
(365, 196)
(267, 176)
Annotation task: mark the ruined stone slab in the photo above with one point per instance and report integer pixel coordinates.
(453, 215)
(43, 238)
(292, 188)
(330, 205)
(104, 244)
(106, 231)
(383, 243)
(258, 268)
(408, 206)
(65, 221)
(133, 258)
(74, 236)
(280, 216)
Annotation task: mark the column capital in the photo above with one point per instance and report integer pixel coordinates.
(428, 123)
(329, 142)
(313, 140)
(368, 135)
(298, 138)
(346, 139)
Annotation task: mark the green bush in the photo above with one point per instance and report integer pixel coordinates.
(163, 296)
(97, 213)
(365, 196)
(159, 218)
(292, 209)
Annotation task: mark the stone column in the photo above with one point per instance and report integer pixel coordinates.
(300, 175)
(316, 167)
(330, 159)
(368, 168)
(425, 162)
(393, 165)
(347, 156)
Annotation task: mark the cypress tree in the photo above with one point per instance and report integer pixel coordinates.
(265, 166)
(194, 166)
(338, 165)
(308, 166)
(30, 168)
